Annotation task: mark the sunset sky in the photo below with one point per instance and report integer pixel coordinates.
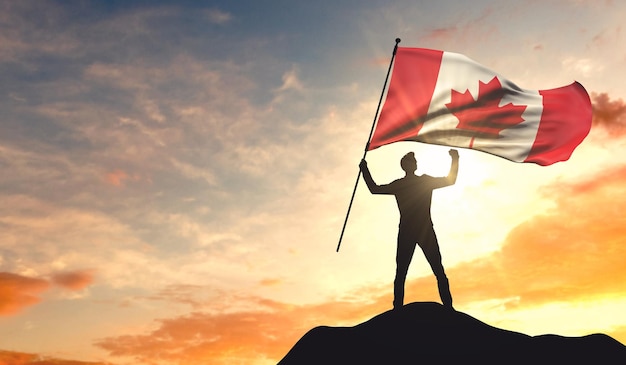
(175, 176)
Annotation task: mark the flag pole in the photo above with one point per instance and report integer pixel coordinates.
(358, 176)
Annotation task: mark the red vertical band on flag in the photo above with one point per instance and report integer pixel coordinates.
(565, 122)
(413, 81)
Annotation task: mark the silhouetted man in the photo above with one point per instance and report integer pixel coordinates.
(414, 194)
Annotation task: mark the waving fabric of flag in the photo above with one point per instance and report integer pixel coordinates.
(448, 99)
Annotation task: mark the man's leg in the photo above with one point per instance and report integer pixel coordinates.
(404, 254)
(430, 246)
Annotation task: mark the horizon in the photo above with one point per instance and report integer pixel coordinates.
(176, 176)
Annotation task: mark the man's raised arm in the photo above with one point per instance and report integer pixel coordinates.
(454, 167)
(369, 181)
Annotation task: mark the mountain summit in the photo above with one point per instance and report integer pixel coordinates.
(427, 332)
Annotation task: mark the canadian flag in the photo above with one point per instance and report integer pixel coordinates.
(448, 99)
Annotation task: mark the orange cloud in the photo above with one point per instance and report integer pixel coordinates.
(119, 178)
(475, 27)
(21, 358)
(609, 114)
(380, 61)
(266, 333)
(116, 178)
(182, 294)
(73, 280)
(439, 34)
(270, 282)
(18, 292)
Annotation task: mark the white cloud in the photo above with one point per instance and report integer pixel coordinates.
(217, 16)
(193, 172)
(583, 66)
(291, 81)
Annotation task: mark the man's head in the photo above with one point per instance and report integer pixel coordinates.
(408, 163)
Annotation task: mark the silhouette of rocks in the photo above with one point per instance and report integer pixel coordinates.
(430, 333)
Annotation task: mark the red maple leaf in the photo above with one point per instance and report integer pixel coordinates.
(484, 117)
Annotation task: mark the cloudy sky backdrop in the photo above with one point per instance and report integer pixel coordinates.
(175, 176)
